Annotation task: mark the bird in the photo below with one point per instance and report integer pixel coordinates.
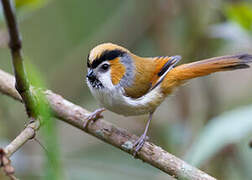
(130, 85)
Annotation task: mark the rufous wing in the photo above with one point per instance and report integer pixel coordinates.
(149, 73)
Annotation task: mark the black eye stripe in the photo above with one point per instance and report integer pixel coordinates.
(106, 56)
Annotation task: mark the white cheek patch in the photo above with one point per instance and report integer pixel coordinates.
(105, 79)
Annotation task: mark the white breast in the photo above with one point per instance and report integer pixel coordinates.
(114, 100)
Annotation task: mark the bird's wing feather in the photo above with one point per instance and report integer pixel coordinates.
(150, 72)
(170, 62)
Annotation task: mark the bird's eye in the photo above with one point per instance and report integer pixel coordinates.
(104, 67)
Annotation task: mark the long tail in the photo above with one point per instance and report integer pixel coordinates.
(184, 72)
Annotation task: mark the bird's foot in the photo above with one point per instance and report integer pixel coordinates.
(139, 144)
(92, 117)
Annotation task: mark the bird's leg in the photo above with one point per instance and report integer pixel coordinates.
(140, 142)
(93, 116)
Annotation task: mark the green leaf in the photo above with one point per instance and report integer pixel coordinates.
(24, 7)
(30, 4)
(241, 13)
(228, 128)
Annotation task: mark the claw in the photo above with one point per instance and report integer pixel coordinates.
(92, 117)
(139, 144)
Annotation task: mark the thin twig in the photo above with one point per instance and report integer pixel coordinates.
(28, 133)
(43, 147)
(109, 133)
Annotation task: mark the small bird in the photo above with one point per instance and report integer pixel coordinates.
(131, 85)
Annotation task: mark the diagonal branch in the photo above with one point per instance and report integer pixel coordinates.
(28, 133)
(109, 133)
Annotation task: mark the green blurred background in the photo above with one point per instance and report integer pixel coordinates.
(207, 122)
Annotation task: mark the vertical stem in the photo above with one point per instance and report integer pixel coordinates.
(15, 44)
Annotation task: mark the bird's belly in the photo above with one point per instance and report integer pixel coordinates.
(126, 109)
(116, 102)
(120, 106)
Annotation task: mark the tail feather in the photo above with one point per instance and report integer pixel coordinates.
(184, 72)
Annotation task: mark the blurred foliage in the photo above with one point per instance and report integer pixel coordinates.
(25, 7)
(30, 4)
(57, 36)
(241, 13)
(53, 167)
(226, 129)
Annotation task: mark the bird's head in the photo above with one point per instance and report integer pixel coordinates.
(108, 65)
